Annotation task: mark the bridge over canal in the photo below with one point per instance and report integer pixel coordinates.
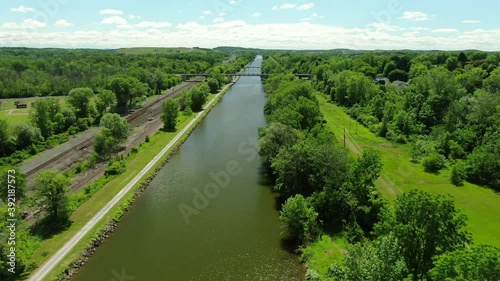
(248, 71)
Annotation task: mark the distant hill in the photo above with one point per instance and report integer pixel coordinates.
(154, 50)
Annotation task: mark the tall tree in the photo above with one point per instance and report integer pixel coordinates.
(53, 195)
(425, 226)
(471, 264)
(170, 112)
(299, 218)
(80, 99)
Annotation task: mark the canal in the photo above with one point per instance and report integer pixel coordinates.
(210, 213)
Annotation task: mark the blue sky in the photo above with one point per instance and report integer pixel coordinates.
(288, 24)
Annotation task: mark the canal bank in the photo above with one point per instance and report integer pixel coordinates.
(68, 258)
(210, 213)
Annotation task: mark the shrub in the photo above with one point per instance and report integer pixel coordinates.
(116, 167)
(458, 173)
(433, 162)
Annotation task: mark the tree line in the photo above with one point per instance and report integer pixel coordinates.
(445, 104)
(324, 190)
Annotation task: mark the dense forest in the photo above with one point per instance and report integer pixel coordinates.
(445, 104)
(421, 236)
(95, 82)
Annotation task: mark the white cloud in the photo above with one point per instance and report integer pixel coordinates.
(286, 6)
(111, 12)
(133, 17)
(419, 28)
(289, 6)
(305, 7)
(445, 30)
(153, 24)
(63, 23)
(218, 20)
(207, 12)
(116, 20)
(306, 19)
(383, 27)
(471, 21)
(26, 24)
(201, 17)
(415, 16)
(301, 35)
(222, 14)
(23, 9)
(256, 14)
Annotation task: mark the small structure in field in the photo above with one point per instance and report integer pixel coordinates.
(21, 105)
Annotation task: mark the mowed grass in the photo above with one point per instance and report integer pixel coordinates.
(481, 205)
(321, 254)
(9, 112)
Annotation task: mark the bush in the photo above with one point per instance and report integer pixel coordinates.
(458, 173)
(147, 139)
(116, 167)
(433, 162)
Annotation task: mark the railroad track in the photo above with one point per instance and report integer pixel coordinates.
(85, 143)
(154, 107)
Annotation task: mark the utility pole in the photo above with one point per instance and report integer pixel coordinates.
(356, 127)
(344, 137)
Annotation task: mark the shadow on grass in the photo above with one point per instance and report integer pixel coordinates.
(169, 130)
(48, 227)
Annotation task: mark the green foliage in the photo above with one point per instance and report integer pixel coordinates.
(433, 162)
(82, 101)
(300, 219)
(52, 195)
(198, 98)
(42, 115)
(471, 264)
(116, 126)
(213, 84)
(275, 137)
(378, 261)
(424, 225)
(187, 111)
(170, 112)
(25, 244)
(26, 135)
(116, 167)
(458, 173)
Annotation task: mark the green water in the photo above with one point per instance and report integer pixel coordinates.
(210, 213)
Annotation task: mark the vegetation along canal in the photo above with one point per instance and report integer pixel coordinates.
(210, 213)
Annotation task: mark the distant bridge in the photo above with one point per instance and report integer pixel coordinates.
(249, 71)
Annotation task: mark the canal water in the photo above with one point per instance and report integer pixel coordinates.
(210, 213)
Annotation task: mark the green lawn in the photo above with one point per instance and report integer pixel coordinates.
(481, 205)
(321, 254)
(14, 116)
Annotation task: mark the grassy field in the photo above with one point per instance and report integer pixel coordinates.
(321, 254)
(14, 116)
(152, 50)
(481, 205)
(87, 210)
